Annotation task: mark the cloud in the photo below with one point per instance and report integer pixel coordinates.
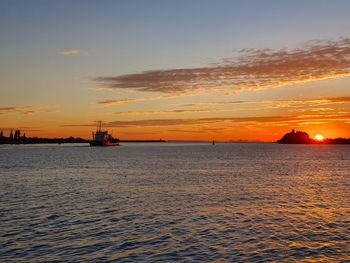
(131, 134)
(252, 69)
(170, 122)
(274, 103)
(225, 103)
(177, 111)
(114, 102)
(316, 104)
(23, 110)
(216, 103)
(187, 131)
(73, 52)
(162, 112)
(108, 103)
(203, 130)
(339, 99)
(201, 121)
(27, 110)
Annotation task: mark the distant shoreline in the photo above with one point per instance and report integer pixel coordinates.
(36, 140)
(175, 142)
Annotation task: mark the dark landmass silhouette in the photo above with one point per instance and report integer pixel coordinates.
(37, 140)
(17, 138)
(300, 137)
(293, 137)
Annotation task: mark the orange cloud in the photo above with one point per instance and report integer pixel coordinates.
(169, 122)
(27, 110)
(199, 121)
(298, 105)
(114, 102)
(274, 103)
(253, 69)
(73, 52)
(171, 111)
(108, 103)
(23, 110)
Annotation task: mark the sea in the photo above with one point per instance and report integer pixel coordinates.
(175, 202)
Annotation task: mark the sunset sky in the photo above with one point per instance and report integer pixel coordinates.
(176, 70)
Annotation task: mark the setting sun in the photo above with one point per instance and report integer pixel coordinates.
(319, 137)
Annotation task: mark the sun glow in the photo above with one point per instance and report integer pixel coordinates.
(319, 137)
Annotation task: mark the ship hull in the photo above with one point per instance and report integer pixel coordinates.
(96, 143)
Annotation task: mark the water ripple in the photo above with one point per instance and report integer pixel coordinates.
(175, 202)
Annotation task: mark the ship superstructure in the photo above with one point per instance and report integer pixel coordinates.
(103, 138)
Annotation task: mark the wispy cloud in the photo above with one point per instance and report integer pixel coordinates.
(108, 103)
(271, 103)
(215, 103)
(203, 130)
(253, 69)
(205, 121)
(326, 105)
(276, 103)
(161, 112)
(23, 110)
(339, 99)
(73, 52)
(187, 131)
(113, 102)
(170, 122)
(27, 110)
(179, 111)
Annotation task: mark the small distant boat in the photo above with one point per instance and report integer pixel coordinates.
(103, 138)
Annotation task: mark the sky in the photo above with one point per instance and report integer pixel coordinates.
(176, 70)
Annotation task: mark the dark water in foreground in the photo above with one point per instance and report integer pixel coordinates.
(168, 202)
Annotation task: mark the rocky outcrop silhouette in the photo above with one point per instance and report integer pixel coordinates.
(300, 137)
(297, 137)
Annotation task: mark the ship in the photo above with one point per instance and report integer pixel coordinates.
(103, 138)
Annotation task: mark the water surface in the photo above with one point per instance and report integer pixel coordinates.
(168, 202)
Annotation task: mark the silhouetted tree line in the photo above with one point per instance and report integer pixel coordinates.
(17, 138)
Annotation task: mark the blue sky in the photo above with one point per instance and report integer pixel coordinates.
(184, 33)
